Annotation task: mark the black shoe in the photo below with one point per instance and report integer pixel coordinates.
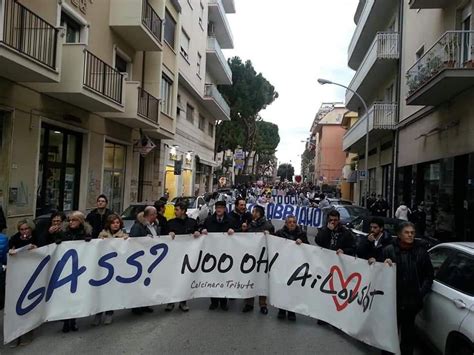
(247, 308)
(137, 311)
(224, 307)
(66, 327)
(291, 316)
(213, 306)
(73, 326)
(147, 309)
(264, 310)
(281, 314)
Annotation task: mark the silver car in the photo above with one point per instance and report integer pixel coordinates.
(447, 318)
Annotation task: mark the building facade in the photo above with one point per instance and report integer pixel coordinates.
(326, 136)
(436, 129)
(374, 53)
(204, 32)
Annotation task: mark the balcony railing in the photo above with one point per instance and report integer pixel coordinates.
(211, 91)
(382, 116)
(29, 34)
(151, 20)
(148, 106)
(454, 50)
(213, 45)
(102, 78)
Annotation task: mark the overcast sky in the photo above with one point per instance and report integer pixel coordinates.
(294, 42)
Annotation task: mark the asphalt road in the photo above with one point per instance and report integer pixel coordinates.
(199, 331)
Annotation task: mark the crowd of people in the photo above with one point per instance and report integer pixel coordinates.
(414, 269)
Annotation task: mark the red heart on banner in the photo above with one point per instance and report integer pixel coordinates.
(351, 294)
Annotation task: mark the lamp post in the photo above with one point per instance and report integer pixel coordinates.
(367, 129)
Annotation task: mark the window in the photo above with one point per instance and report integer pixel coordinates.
(170, 29)
(458, 273)
(190, 113)
(73, 29)
(166, 95)
(114, 174)
(185, 44)
(210, 129)
(199, 64)
(438, 256)
(202, 122)
(123, 63)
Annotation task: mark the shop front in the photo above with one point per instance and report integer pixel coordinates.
(445, 189)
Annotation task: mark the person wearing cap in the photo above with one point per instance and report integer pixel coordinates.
(219, 222)
(259, 224)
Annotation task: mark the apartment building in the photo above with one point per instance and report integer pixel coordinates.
(82, 84)
(326, 136)
(204, 33)
(436, 130)
(374, 54)
(349, 186)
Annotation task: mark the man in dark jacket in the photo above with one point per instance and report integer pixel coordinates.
(182, 224)
(371, 247)
(219, 222)
(335, 236)
(240, 217)
(292, 231)
(259, 224)
(160, 206)
(146, 225)
(98, 216)
(414, 279)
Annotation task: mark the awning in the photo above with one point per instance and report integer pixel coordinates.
(210, 163)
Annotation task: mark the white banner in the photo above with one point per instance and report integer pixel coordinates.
(78, 279)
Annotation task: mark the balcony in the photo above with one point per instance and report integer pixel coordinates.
(29, 46)
(429, 4)
(86, 81)
(137, 23)
(444, 71)
(229, 6)
(379, 64)
(141, 108)
(219, 25)
(382, 118)
(374, 17)
(216, 104)
(217, 64)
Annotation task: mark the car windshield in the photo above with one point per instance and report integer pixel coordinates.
(191, 201)
(131, 212)
(352, 212)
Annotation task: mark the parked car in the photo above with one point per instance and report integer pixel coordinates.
(447, 319)
(339, 201)
(348, 213)
(197, 207)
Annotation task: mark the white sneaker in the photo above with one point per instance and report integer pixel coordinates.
(97, 319)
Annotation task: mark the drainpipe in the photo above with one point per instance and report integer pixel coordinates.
(399, 98)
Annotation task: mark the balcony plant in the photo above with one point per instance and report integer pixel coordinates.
(434, 64)
(450, 43)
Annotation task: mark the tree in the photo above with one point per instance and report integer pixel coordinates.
(286, 171)
(249, 94)
(307, 161)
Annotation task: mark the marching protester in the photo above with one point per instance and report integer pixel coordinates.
(418, 217)
(25, 237)
(75, 229)
(258, 224)
(219, 222)
(414, 279)
(380, 207)
(160, 206)
(371, 248)
(98, 216)
(113, 229)
(146, 225)
(55, 226)
(240, 217)
(291, 231)
(403, 212)
(335, 236)
(323, 203)
(180, 225)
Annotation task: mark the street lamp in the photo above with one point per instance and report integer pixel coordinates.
(367, 129)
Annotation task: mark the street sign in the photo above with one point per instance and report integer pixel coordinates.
(362, 175)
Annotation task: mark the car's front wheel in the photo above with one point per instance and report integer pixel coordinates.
(458, 345)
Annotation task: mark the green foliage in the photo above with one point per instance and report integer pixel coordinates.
(267, 139)
(286, 171)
